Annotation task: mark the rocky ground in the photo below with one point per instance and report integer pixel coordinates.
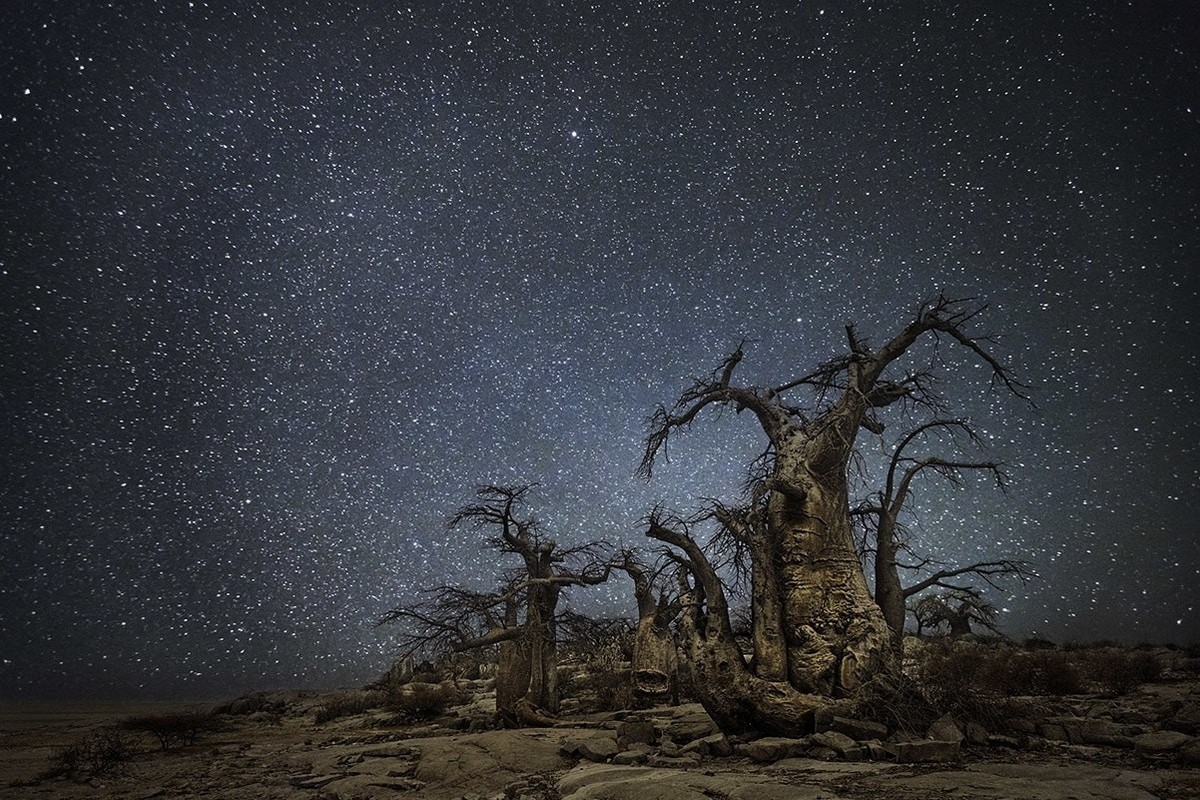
(1141, 746)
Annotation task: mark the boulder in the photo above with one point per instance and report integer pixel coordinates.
(923, 751)
(636, 731)
(631, 757)
(599, 750)
(1161, 743)
(771, 748)
(945, 729)
(840, 743)
(689, 728)
(858, 729)
(716, 745)
(976, 733)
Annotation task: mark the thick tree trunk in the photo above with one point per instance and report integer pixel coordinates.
(738, 700)
(889, 593)
(836, 636)
(770, 661)
(512, 682)
(655, 663)
(960, 624)
(543, 677)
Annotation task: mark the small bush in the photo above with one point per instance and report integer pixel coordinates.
(347, 705)
(1119, 672)
(103, 752)
(1189, 665)
(1038, 643)
(610, 690)
(421, 701)
(1037, 672)
(960, 679)
(172, 730)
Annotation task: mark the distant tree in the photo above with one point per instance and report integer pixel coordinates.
(891, 536)
(816, 627)
(520, 617)
(957, 609)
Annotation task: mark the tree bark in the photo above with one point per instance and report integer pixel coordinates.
(835, 635)
(889, 592)
(655, 662)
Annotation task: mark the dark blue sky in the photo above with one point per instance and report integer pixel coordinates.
(281, 283)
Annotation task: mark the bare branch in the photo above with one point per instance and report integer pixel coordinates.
(987, 570)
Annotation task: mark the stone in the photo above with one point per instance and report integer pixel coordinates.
(717, 745)
(976, 733)
(840, 743)
(631, 757)
(1189, 754)
(924, 751)
(945, 729)
(1185, 720)
(997, 740)
(877, 752)
(690, 728)
(1115, 740)
(600, 749)
(1161, 743)
(634, 731)
(770, 748)
(858, 729)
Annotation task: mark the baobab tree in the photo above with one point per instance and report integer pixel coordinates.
(956, 609)
(520, 617)
(891, 537)
(655, 662)
(818, 630)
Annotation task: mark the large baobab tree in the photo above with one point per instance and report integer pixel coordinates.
(891, 537)
(817, 629)
(520, 617)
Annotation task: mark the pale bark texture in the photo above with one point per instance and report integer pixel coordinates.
(655, 664)
(817, 631)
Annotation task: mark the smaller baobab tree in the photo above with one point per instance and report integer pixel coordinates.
(957, 609)
(655, 663)
(520, 617)
(892, 537)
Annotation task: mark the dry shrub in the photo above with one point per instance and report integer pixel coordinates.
(1038, 672)
(1119, 672)
(170, 730)
(897, 701)
(420, 701)
(974, 682)
(606, 690)
(962, 679)
(347, 705)
(1188, 665)
(102, 752)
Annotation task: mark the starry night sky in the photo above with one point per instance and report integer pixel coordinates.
(281, 283)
